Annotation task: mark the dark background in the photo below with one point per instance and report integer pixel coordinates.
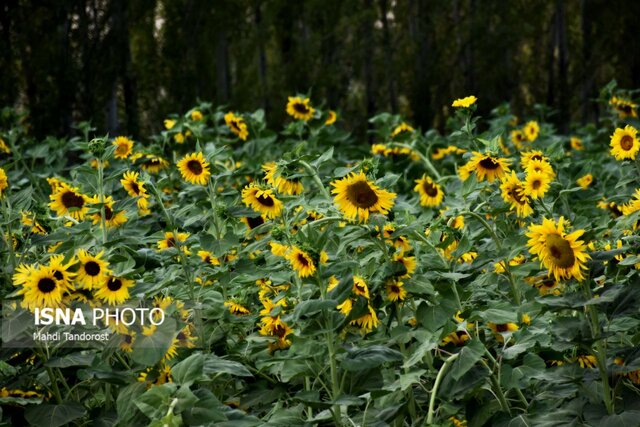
(125, 65)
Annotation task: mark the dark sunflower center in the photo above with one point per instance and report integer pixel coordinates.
(265, 200)
(181, 336)
(536, 184)
(114, 284)
(153, 162)
(195, 167)
(92, 268)
(235, 126)
(122, 148)
(58, 275)
(46, 285)
(536, 157)
(503, 327)
(303, 260)
(430, 189)
(361, 195)
(108, 213)
(394, 289)
(489, 163)
(625, 108)
(72, 200)
(515, 195)
(171, 243)
(614, 209)
(626, 142)
(279, 330)
(548, 283)
(134, 187)
(255, 222)
(128, 339)
(301, 108)
(561, 251)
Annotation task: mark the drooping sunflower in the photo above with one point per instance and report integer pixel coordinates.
(153, 164)
(587, 361)
(624, 143)
(395, 291)
(237, 125)
(360, 287)
(275, 177)
(402, 128)
(132, 186)
(114, 290)
(4, 183)
(368, 322)
(28, 219)
(487, 166)
(171, 240)
(261, 200)
(236, 308)
(43, 289)
(357, 197)
(585, 181)
(430, 192)
(194, 168)
(464, 102)
(624, 107)
(124, 147)
(561, 253)
(111, 217)
(531, 130)
(502, 328)
(331, 118)
(208, 257)
(299, 108)
(301, 262)
(513, 193)
(93, 269)
(536, 184)
(252, 222)
(67, 200)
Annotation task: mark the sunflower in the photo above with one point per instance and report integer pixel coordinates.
(331, 118)
(367, 322)
(624, 143)
(4, 183)
(4, 148)
(279, 249)
(485, 165)
(613, 207)
(518, 138)
(536, 184)
(169, 123)
(194, 168)
(60, 269)
(93, 269)
(360, 287)
(124, 147)
(299, 108)
(531, 130)
(430, 193)
(67, 200)
(585, 181)
(561, 253)
(528, 156)
(395, 291)
(402, 128)
(586, 361)
(153, 163)
(172, 240)
(208, 258)
(464, 102)
(576, 143)
(517, 260)
(114, 290)
(252, 222)
(346, 307)
(196, 116)
(301, 262)
(457, 338)
(236, 308)
(541, 166)
(43, 289)
(111, 218)
(237, 125)
(406, 264)
(357, 197)
(132, 186)
(22, 274)
(513, 192)
(628, 208)
(28, 219)
(624, 107)
(276, 179)
(261, 200)
(502, 328)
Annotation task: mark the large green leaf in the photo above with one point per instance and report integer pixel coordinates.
(47, 415)
(370, 357)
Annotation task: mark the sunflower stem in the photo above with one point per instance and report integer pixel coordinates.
(436, 385)
(212, 199)
(403, 350)
(103, 225)
(424, 158)
(316, 178)
(8, 235)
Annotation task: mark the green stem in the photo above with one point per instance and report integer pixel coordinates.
(403, 350)
(425, 160)
(212, 200)
(103, 225)
(8, 236)
(316, 178)
(436, 385)
(495, 383)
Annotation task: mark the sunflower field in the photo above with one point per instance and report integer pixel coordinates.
(488, 275)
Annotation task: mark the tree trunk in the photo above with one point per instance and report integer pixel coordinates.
(420, 96)
(388, 51)
(262, 57)
(368, 52)
(563, 84)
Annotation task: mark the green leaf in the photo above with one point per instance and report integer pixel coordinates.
(469, 356)
(189, 370)
(155, 402)
(80, 358)
(370, 357)
(125, 404)
(216, 365)
(149, 350)
(307, 308)
(47, 415)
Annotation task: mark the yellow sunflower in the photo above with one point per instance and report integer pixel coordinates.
(153, 164)
(124, 147)
(561, 253)
(169, 123)
(624, 107)
(43, 289)
(518, 138)
(360, 287)
(487, 166)
(585, 181)
(395, 291)
(542, 166)
(464, 102)
(624, 143)
(236, 308)
(407, 265)
(402, 128)
(208, 257)
(68, 200)
(513, 193)
(194, 168)
(586, 361)
(527, 156)
(276, 179)
(196, 115)
(301, 262)
(430, 193)
(536, 184)
(114, 290)
(576, 143)
(628, 208)
(237, 125)
(262, 201)
(93, 269)
(111, 217)
(331, 118)
(280, 250)
(367, 322)
(132, 186)
(299, 108)
(4, 183)
(252, 222)
(172, 241)
(28, 219)
(61, 270)
(502, 328)
(4, 147)
(357, 197)
(531, 130)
